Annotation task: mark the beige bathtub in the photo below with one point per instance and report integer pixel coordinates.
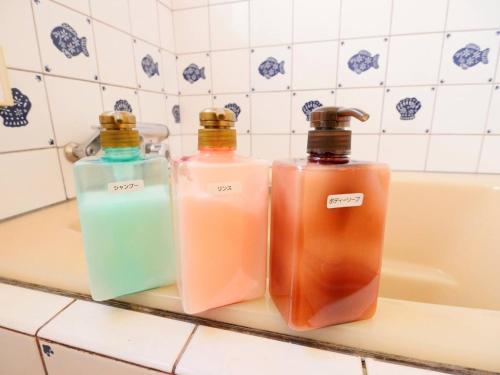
(440, 292)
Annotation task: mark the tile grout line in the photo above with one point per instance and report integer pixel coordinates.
(37, 341)
(363, 366)
(183, 349)
(384, 83)
(436, 93)
(292, 71)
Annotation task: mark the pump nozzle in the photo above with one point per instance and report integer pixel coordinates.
(330, 135)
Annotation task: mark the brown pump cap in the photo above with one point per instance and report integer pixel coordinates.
(330, 134)
(118, 129)
(217, 128)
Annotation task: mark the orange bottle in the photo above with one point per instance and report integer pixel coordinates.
(220, 218)
(327, 228)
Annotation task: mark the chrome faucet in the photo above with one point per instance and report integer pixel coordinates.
(152, 136)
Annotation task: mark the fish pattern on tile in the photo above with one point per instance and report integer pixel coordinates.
(271, 67)
(66, 40)
(193, 73)
(235, 108)
(470, 55)
(176, 112)
(310, 106)
(408, 108)
(47, 350)
(362, 61)
(122, 105)
(149, 66)
(17, 115)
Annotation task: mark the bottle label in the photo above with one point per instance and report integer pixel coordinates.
(225, 188)
(344, 200)
(125, 186)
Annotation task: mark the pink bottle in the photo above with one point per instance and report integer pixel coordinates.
(220, 214)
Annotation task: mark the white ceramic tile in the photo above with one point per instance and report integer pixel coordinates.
(114, 12)
(490, 155)
(369, 100)
(187, 37)
(276, 74)
(314, 65)
(169, 72)
(148, 66)
(375, 367)
(31, 128)
(364, 147)
(75, 108)
(167, 3)
(365, 18)
(20, 51)
(175, 146)
(144, 20)
(240, 105)
(243, 146)
(19, 354)
(166, 21)
(115, 56)
(477, 14)
(230, 71)
(449, 116)
(78, 5)
(61, 360)
(79, 62)
(298, 145)
(67, 174)
(221, 1)
(229, 26)
(493, 124)
(153, 107)
(304, 102)
(414, 59)
(315, 20)
(403, 152)
(194, 74)
(271, 113)
(408, 109)
(454, 153)
(189, 144)
(26, 170)
(143, 339)
(173, 114)
(478, 68)
(231, 352)
(271, 147)
(120, 99)
(190, 107)
(370, 71)
(270, 22)
(408, 16)
(181, 4)
(26, 310)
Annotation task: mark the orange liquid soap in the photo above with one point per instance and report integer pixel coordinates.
(327, 228)
(220, 210)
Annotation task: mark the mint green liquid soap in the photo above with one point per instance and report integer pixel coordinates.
(125, 215)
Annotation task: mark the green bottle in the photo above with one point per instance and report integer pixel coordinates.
(125, 213)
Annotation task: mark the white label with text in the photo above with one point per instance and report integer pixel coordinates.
(125, 186)
(344, 200)
(225, 188)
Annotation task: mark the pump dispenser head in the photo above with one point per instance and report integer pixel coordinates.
(217, 129)
(330, 135)
(118, 129)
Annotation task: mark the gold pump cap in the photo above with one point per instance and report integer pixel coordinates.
(217, 128)
(118, 129)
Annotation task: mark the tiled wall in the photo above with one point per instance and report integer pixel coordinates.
(433, 97)
(68, 60)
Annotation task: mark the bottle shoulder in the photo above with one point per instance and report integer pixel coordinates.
(202, 160)
(303, 164)
(99, 160)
